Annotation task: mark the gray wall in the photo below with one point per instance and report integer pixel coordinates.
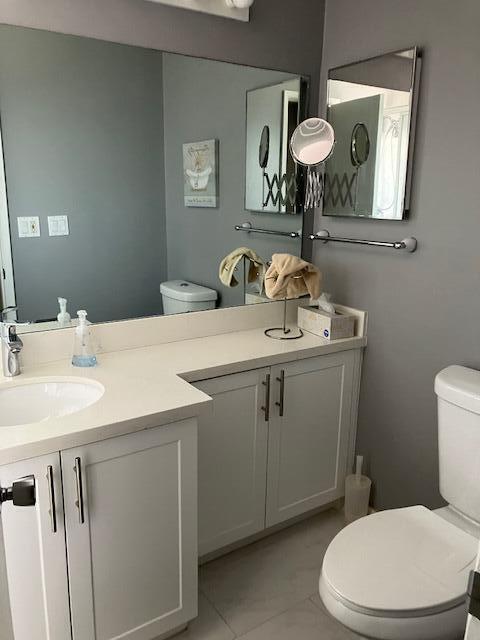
(83, 135)
(204, 100)
(424, 307)
(281, 34)
(388, 72)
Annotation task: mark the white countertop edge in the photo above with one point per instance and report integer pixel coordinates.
(128, 374)
(103, 432)
(196, 375)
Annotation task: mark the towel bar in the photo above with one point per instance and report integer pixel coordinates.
(247, 226)
(408, 244)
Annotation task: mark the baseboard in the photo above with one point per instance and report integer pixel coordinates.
(218, 553)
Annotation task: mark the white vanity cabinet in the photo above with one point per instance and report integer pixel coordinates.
(277, 445)
(127, 510)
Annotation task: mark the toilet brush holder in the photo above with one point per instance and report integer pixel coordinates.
(357, 497)
(357, 494)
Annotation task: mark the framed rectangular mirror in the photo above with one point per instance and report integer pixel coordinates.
(125, 168)
(372, 105)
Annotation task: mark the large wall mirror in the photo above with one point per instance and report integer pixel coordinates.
(372, 107)
(125, 168)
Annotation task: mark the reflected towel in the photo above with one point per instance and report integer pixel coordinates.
(256, 269)
(291, 277)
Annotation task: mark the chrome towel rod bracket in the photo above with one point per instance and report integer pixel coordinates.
(247, 226)
(407, 244)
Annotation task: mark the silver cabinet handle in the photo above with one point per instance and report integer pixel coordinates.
(79, 485)
(281, 403)
(51, 499)
(266, 408)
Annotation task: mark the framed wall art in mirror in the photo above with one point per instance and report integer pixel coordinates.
(372, 107)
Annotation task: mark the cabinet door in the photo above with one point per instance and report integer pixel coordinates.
(232, 460)
(34, 543)
(131, 520)
(308, 444)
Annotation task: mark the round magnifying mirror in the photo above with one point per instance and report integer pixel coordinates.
(312, 142)
(359, 145)
(264, 147)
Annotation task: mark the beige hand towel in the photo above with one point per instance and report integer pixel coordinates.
(256, 270)
(291, 277)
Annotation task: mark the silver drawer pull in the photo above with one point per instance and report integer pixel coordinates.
(52, 511)
(266, 408)
(79, 486)
(281, 403)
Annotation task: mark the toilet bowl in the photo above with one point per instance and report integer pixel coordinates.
(402, 574)
(399, 575)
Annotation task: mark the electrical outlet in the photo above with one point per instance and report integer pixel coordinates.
(28, 227)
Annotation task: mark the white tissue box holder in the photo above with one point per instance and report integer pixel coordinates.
(332, 326)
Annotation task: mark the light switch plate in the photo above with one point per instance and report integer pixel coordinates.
(58, 226)
(28, 227)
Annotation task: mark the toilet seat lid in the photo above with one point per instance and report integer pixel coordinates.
(401, 562)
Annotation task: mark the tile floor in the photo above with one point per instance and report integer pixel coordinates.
(269, 590)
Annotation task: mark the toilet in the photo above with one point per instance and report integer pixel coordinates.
(402, 574)
(181, 296)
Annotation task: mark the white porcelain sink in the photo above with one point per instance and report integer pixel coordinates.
(40, 401)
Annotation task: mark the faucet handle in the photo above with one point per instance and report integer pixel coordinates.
(6, 310)
(11, 347)
(9, 329)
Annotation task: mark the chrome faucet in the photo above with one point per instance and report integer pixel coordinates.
(10, 344)
(11, 347)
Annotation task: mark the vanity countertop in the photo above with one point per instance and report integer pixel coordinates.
(150, 386)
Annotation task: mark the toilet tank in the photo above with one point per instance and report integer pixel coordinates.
(458, 394)
(181, 296)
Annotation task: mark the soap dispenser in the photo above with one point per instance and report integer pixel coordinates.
(63, 318)
(83, 352)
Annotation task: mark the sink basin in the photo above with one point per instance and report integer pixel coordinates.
(40, 401)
